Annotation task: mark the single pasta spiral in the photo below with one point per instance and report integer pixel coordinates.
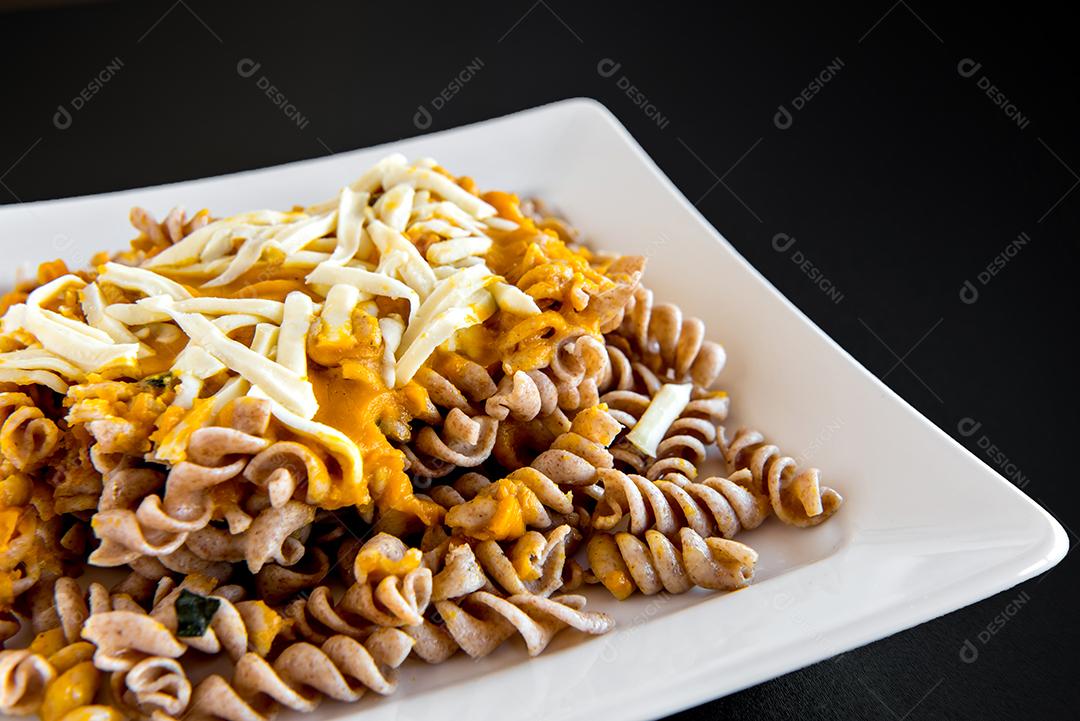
(27, 437)
(578, 365)
(797, 497)
(23, 678)
(391, 588)
(453, 381)
(154, 688)
(464, 442)
(269, 539)
(481, 621)
(281, 468)
(317, 617)
(123, 538)
(533, 564)
(624, 562)
(714, 506)
(523, 396)
(474, 501)
(575, 456)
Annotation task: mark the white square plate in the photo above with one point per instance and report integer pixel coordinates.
(926, 528)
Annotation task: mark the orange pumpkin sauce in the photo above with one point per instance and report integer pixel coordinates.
(374, 566)
(164, 355)
(539, 257)
(358, 406)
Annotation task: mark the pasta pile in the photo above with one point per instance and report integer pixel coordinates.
(413, 420)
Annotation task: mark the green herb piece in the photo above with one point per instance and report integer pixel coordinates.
(194, 613)
(161, 380)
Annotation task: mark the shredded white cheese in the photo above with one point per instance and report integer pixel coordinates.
(350, 229)
(38, 359)
(80, 344)
(450, 251)
(93, 305)
(666, 406)
(366, 281)
(191, 247)
(414, 270)
(292, 336)
(514, 300)
(356, 249)
(193, 366)
(279, 383)
(144, 281)
(438, 331)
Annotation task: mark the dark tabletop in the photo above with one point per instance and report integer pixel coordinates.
(925, 162)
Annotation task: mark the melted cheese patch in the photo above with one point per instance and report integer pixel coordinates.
(356, 408)
(372, 565)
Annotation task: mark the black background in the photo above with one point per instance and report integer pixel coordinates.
(899, 180)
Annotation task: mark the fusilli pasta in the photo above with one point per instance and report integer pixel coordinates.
(714, 506)
(412, 419)
(797, 498)
(624, 562)
(340, 668)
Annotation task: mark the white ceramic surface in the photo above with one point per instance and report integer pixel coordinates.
(926, 527)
